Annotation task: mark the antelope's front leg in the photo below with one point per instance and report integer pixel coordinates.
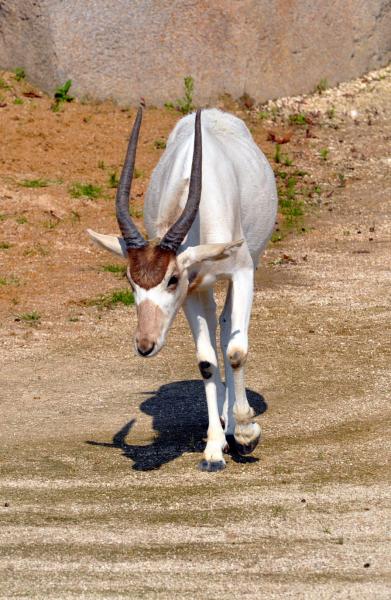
(246, 432)
(200, 310)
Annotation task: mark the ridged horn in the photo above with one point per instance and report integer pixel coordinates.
(177, 232)
(130, 233)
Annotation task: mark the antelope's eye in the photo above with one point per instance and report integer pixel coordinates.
(173, 281)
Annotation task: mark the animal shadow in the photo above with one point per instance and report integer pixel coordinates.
(180, 420)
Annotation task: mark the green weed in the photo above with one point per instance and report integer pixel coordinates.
(50, 224)
(281, 158)
(291, 206)
(32, 318)
(101, 164)
(114, 268)
(18, 101)
(3, 84)
(137, 173)
(10, 281)
(277, 154)
(137, 213)
(324, 153)
(22, 220)
(113, 180)
(4, 245)
(85, 190)
(34, 183)
(278, 511)
(277, 236)
(298, 119)
(75, 217)
(341, 179)
(159, 144)
(61, 96)
(37, 250)
(110, 300)
(184, 104)
(19, 73)
(263, 115)
(321, 86)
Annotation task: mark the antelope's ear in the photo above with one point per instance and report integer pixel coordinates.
(112, 243)
(197, 254)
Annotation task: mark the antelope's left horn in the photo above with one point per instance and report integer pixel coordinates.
(177, 232)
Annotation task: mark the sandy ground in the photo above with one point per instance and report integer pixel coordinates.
(100, 496)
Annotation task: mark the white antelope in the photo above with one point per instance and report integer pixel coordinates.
(209, 213)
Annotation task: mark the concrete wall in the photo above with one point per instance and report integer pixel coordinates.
(127, 48)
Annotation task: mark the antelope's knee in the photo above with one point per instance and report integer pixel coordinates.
(206, 369)
(237, 357)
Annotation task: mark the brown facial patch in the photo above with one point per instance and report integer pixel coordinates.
(150, 318)
(149, 265)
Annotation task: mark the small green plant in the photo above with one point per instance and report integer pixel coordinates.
(50, 224)
(75, 217)
(85, 190)
(290, 205)
(32, 318)
(341, 180)
(277, 236)
(3, 84)
(281, 158)
(114, 268)
(18, 101)
(278, 511)
(137, 213)
(113, 180)
(184, 104)
(34, 183)
(37, 250)
(4, 245)
(263, 115)
(20, 73)
(61, 95)
(9, 281)
(137, 173)
(21, 220)
(101, 165)
(159, 144)
(110, 300)
(298, 119)
(330, 112)
(324, 153)
(277, 154)
(73, 319)
(321, 86)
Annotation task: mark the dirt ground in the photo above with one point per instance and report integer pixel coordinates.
(100, 496)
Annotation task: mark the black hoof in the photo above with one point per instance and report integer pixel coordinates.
(244, 449)
(211, 466)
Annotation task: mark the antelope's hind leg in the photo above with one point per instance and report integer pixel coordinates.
(200, 310)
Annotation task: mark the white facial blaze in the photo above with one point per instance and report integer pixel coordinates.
(163, 303)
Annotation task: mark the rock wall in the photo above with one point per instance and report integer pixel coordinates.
(128, 48)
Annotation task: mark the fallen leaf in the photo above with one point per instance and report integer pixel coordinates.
(31, 95)
(279, 138)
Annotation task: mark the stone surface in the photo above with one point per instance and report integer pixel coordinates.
(144, 47)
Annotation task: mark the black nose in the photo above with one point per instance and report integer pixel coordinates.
(145, 351)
